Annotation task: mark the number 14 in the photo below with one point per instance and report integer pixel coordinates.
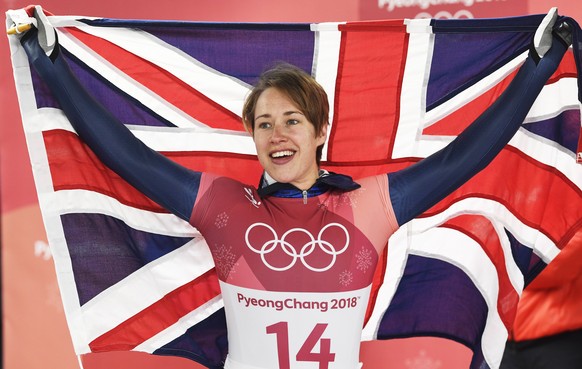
(323, 357)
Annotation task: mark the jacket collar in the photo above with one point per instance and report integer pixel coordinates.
(327, 180)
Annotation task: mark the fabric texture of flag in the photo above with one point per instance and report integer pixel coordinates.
(134, 277)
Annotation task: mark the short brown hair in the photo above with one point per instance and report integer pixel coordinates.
(300, 87)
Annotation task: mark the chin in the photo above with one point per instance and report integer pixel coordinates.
(281, 179)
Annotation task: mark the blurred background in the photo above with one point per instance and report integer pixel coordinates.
(34, 332)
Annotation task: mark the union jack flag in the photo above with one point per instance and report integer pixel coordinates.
(134, 277)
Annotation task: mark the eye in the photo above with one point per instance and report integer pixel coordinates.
(292, 122)
(264, 125)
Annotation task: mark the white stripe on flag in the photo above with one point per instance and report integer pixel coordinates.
(128, 85)
(145, 287)
(554, 99)
(528, 236)
(396, 262)
(462, 251)
(181, 326)
(325, 66)
(549, 153)
(159, 138)
(412, 103)
(413, 91)
(221, 88)
(84, 201)
(43, 182)
(186, 139)
(513, 271)
(473, 92)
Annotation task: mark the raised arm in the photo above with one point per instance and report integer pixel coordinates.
(165, 182)
(420, 186)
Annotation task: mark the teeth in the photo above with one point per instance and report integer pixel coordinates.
(280, 154)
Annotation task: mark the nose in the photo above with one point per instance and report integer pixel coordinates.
(278, 133)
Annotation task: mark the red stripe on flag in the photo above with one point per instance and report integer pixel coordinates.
(74, 166)
(368, 83)
(454, 123)
(243, 168)
(482, 231)
(159, 315)
(535, 193)
(161, 82)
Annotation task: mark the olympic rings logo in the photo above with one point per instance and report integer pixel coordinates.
(307, 249)
(443, 14)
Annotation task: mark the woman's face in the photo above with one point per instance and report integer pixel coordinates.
(285, 140)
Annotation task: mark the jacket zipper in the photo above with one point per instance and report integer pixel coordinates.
(305, 196)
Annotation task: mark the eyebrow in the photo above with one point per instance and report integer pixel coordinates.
(287, 113)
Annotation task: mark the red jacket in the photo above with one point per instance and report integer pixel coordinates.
(552, 303)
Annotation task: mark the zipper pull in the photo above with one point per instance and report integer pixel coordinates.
(305, 196)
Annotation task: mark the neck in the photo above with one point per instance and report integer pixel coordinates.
(269, 186)
(268, 180)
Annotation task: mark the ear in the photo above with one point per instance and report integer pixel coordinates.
(320, 139)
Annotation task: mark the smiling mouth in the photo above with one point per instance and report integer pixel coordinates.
(282, 154)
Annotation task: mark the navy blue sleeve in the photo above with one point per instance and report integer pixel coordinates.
(417, 188)
(170, 185)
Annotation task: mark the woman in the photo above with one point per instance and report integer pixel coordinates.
(302, 248)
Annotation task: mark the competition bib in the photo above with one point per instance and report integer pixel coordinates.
(293, 330)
